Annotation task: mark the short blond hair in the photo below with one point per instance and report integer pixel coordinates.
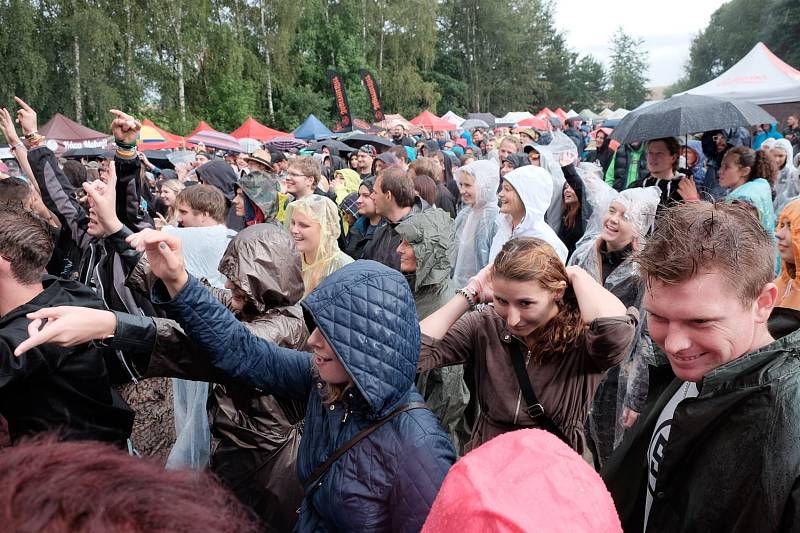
(306, 165)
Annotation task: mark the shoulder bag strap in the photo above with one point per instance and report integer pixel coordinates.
(321, 469)
(533, 407)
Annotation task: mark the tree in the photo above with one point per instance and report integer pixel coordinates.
(628, 72)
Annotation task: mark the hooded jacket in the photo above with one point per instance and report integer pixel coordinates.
(787, 187)
(732, 460)
(762, 136)
(220, 174)
(525, 480)
(49, 388)
(383, 246)
(388, 481)
(431, 235)
(534, 186)
(546, 161)
(476, 224)
(256, 435)
(788, 285)
(699, 168)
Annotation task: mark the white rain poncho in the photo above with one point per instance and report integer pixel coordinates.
(625, 385)
(549, 160)
(786, 187)
(328, 258)
(476, 225)
(534, 186)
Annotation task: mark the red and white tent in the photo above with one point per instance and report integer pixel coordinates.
(252, 129)
(760, 77)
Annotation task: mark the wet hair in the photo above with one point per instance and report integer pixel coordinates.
(529, 259)
(399, 152)
(760, 163)
(673, 147)
(690, 238)
(15, 191)
(75, 173)
(82, 487)
(396, 181)
(204, 199)
(308, 166)
(427, 166)
(25, 243)
(426, 188)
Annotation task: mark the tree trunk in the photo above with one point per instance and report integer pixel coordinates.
(76, 49)
(267, 59)
(179, 60)
(128, 53)
(380, 50)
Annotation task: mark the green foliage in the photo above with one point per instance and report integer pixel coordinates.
(179, 61)
(628, 72)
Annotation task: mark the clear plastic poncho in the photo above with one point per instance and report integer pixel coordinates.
(787, 187)
(328, 258)
(549, 157)
(625, 385)
(476, 224)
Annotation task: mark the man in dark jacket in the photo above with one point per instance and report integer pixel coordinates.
(49, 388)
(369, 221)
(395, 201)
(575, 135)
(627, 165)
(399, 136)
(715, 448)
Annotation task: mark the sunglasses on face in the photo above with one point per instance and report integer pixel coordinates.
(533, 156)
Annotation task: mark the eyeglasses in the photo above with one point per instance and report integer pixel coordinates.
(533, 156)
(717, 137)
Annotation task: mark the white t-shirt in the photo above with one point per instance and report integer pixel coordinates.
(658, 442)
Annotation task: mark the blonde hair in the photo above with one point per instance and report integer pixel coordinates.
(530, 259)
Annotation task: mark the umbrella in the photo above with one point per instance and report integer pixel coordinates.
(182, 156)
(472, 123)
(486, 117)
(332, 145)
(80, 153)
(216, 139)
(688, 113)
(286, 143)
(249, 145)
(160, 158)
(360, 139)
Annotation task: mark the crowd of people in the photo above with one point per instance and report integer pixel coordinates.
(485, 330)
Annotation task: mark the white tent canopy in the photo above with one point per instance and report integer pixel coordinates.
(452, 118)
(605, 113)
(619, 113)
(512, 117)
(588, 113)
(760, 77)
(571, 113)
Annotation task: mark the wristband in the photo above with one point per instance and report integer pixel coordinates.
(31, 135)
(125, 146)
(469, 295)
(18, 145)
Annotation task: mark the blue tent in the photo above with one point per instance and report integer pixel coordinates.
(312, 129)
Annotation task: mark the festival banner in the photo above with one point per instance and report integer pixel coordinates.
(374, 93)
(340, 98)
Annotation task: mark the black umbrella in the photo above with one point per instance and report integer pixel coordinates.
(333, 145)
(79, 153)
(159, 158)
(688, 113)
(360, 139)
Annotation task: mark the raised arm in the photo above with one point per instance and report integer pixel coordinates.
(594, 300)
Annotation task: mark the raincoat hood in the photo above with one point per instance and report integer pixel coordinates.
(367, 314)
(328, 257)
(263, 261)
(786, 147)
(525, 480)
(787, 187)
(486, 173)
(262, 189)
(352, 181)
(220, 175)
(534, 186)
(518, 160)
(431, 235)
(789, 287)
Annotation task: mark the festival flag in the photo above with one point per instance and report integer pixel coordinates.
(340, 98)
(374, 93)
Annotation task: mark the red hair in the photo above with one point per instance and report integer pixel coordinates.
(81, 487)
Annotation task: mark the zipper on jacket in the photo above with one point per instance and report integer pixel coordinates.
(519, 397)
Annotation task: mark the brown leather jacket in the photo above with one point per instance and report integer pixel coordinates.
(564, 385)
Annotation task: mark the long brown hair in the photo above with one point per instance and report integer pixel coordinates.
(760, 163)
(529, 259)
(570, 211)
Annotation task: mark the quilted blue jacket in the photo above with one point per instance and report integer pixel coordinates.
(365, 310)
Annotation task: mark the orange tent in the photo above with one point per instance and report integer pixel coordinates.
(561, 114)
(429, 121)
(253, 129)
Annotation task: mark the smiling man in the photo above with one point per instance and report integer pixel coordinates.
(716, 446)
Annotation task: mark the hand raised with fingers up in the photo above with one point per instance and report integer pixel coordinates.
(164, 255)
(26, 117)
(124, 127)
(7, 127)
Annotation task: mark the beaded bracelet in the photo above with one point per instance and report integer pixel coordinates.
(469, 295)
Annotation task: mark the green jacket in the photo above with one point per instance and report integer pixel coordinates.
(732, 462)
(431, 235)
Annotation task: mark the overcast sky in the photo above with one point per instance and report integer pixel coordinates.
(666, 27)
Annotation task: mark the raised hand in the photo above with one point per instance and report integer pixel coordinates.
(124, 127)
(7, 127)
(101, 196)
(165, 257)
(67, 326)
(482, 284)
(26, 117)
(688, 189)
